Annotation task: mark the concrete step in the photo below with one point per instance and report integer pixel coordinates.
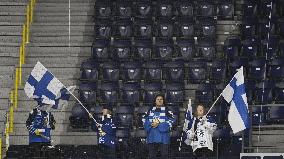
(9, 51)
(11, 30)
(266, 150)
(269, 138)
(10, 39)
(7, 70)
(58, 51)
(78, 23)
(12, 19)
(65, 1)
(49, 30)
(12, 10)
(60, 39)
(73, 19)
(48, 60)
(4, 92)
(63, 8)
(8, 61)
(6, 81)
(14, 2)
(65, 44)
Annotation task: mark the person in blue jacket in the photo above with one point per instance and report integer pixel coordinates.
(39, 124)
(158, 122)
(106, 129)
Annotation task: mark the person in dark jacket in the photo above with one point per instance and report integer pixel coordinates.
(158, 122)
(39, 124)
(106, 129)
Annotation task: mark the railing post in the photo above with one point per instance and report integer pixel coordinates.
(24, 34)
(20, 66)
(11, 120)
(28, 24)
(0, 147)
(16, 88)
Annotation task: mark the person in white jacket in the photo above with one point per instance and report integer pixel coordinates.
(199, 133)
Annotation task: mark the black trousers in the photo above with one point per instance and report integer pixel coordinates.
(202, 153)
(154, 148)
(106, 152)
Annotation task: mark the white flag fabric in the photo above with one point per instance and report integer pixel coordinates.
(42, 85)
(235, 94)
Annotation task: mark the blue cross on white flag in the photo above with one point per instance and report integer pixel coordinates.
(43, 86)
(235, 94)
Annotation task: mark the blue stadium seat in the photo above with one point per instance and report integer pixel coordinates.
(225, 9)
(236, 64)
(143, 9)
(124, 9)
(276, 114)
(123, 146)
(250, 8)
(124, 116)
(79, 117)
(281, 26)
(257, 69)
(265, 8)
(131, 71)
(164, 49)
(185, 48)
(87, 93)
(122, 50)
(232, 47)
(184, 27)
(96, 111)
(165, 8)
(184, 8)
(140, 113)
(205, 94)
(218, 71)
(263, 92)
(206, 8)
(259, 115)
(264, 27)
(85, 151)
(174, 71)
(101, 49)
(104, 9)
(153, 70)
(250, 87)
(248, 26)
(109, 92)
(197, 71)
(140, 141)
(151, 90)
(89, 70)
(235, 148)
(206, 48)
(110, 71)
(122, 28)
(131, 93)
(250, 48)
(103, 28)
(143, 28)
(164, 27)
(279, 93)
(142, 49)
(207, 27)
(276, 69)
(175, 92)
(272, 51)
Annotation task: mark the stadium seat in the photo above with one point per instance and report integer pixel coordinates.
(153, 70)
(109, 92)
(165, 8)
(197, 72)
(89, 70)
(123, 9)
(142, 49)
(175, 92)
(276, 114)
(17, 151)
(250, 87)
(250, 48)
(164, 27)
(104, 9)
(101, 49)
(184, 27)
(281, 49)
(276, 69)
(232, 47)
(87, 93)
(174, 71)
(250, 8)
(151, 90)
(124, 116)
(131, 71)
(206, 8)
(263, 92)
(96, 111)
(235, 147)
(256, 69)
(103, 28)
(140, 113)
(79, 117)
(131, 93)
(281, 26)
(139, 140)
(225, 9)
(110, 71)
(174, 108)
(264, 26)
(207, 27)
(218, 114)
(184, 8)
(265, 8)
(185, 48)
(144, 28)
(205, 94)
(164, 49)
(123, 143)
(206, 48)
(122, 50)
(279, 92)
(259, 115)
(65, 151)
(248, 26)
(85, 151)
(122, 28)
(273, 44)
(143, 9)
(236, 64)
(218, 71)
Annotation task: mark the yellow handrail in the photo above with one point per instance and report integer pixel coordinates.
(0, 147)
(11, 120)
(28, 24)
(16, 88)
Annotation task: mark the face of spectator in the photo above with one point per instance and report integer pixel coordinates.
(200, 110)
(105, 112)
(159, 101)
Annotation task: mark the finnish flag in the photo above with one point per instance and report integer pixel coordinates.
(43, 86)
(235, 94)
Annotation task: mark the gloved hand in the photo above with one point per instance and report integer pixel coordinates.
(102, 133)
(37, 132)
(155, 123)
